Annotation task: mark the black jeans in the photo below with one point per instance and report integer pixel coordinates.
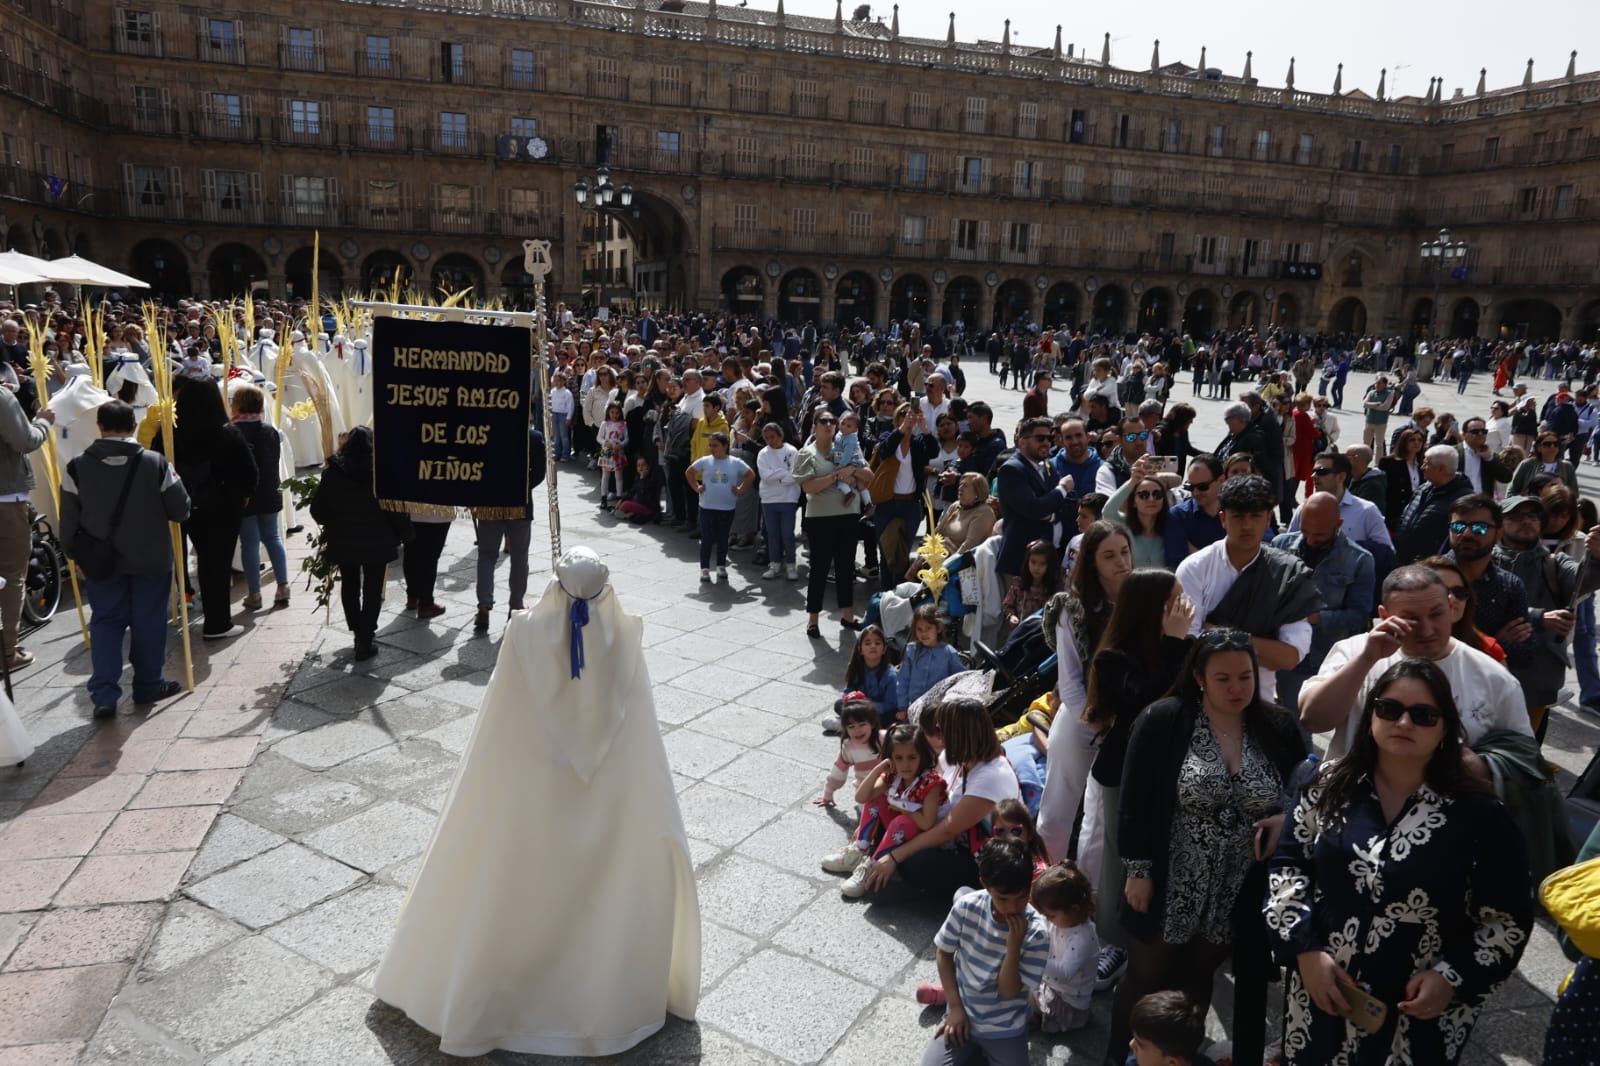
(214, 536)
(714, 528)
(938, 872)
(685, 501)
(361, 592)
(833, 543)
(421, 563)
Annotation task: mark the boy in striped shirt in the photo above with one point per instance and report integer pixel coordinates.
(992, 951)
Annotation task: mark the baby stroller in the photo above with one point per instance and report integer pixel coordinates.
(892, 611)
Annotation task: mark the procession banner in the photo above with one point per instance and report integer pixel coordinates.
(450, 417)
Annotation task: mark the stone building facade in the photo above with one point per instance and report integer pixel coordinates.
(803, 168)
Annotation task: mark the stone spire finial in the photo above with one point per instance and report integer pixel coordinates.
(1572, 65)
(1105, 52)
(1155, 56)
(1383, 78)
(950, 36)
(1483, 79)
(780, 12)
(1248, 56)
(1527, 75)
(894, 24)
(838, 16)
(1288, 81)
(1202, 60)
(1338, 81)
(1005, 40)
(1058, 41)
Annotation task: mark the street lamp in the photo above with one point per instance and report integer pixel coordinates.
(1442, 254)
(604, 193)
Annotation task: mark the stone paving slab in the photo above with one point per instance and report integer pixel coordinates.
(317, 780)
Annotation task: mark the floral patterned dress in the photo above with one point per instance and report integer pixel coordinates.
(1443, 887)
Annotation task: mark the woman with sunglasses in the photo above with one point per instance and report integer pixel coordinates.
(1463, 607)
(1210, 762)
(1546, 459)
(1401, 881)
(1142, 507)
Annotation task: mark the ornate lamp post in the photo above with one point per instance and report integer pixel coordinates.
(1443, 254)
(599, 198)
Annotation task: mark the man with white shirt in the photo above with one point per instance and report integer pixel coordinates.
(694, 396)
(1363, 522)
(1479, 463)
(1414, 622)
(935, 401)
(1242, 583)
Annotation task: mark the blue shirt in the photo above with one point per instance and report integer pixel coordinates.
(1199, 529)
(977, 939)
(719, 476)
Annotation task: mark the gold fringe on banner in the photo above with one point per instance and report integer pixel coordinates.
(434, 510)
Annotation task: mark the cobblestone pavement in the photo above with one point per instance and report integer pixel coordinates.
(215, 881)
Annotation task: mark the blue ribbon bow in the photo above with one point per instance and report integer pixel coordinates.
(580, 618)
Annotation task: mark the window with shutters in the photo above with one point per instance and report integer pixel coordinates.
(1024, 178)
(1263, 146)
(807, 100)
(1563, 200)
(1213, 185)
(302, 48)
(864, 106)
(1257, 192)
(1352, 158)
(138, 32)
(1172, 136)
(1491, 150)
(1019, 237)
(1125, 131)
(1249, 254)
(524, 206)
(803, 222)
(383, 202)
(748, 94)
(744, 217)
(152, 192)
(861, 163)
(1206, 251)
(1117, 237)
(225, 111)
(380, 125)
(1218, 141)
(1518, 257)
(1078, 126)
(1385, 207)
(916, 168)
(1528, 200)
(309, 197)
(972, 172)
(523, 127)
(1168, 187)
(965, 238)
(151, 108)
(47, 161)
(1550, 258)
(1347, 204)
(524, 68)
(858, 225)
(230, 194)
(455, 202)
(975, 118)
(150, 185)
(452, 62)
(1027, 119)
(1302, 152)
(378, 55)
(667, 87)
(914, 231)
(1121, 186)
(919, 110)
(1072, 183)
(305, 116)
(803, 158)
(606, 79)
(1480, 203)
(745, 152)
(452, 129)
(222, 43)
(1069, 236)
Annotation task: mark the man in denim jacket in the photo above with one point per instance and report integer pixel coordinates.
(1342, 571)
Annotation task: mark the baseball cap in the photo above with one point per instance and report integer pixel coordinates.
(1511, 503)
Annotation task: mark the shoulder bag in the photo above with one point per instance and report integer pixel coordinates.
(97, 556)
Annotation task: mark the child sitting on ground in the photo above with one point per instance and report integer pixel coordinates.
(847, 452)
(860, 750)
(869, 675)
(899, 799)
(1168, 1030)
(1063, 895)
(992, 952)
(928, 658)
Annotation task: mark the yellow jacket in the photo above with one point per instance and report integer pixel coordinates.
(700, 441)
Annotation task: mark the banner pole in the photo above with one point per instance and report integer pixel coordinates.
(536, 263)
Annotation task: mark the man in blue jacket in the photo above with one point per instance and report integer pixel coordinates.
(1030, 504)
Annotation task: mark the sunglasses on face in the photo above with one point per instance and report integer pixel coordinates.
(1321, 471)
(1547, 444)
(1039, 436)
(1480, 529)
(1226, 639)
(1198, 486)
(825, 422)
(1150, 494)
(1457, 592)
(1143, 434)
(1421, 714)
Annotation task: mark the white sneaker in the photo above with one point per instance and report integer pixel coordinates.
(844, 861)
(705, 575)
(771, 572)
(856, 887)
(722, 574)
(792, 572)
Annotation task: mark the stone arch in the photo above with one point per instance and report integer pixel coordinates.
(1528, 319)
(454, 272)
(53, 245)
(1200, 313)
(297, 275)
(1062, 305)
(1012, 302)
(800, 297)
(1422, 317)
(1110, 310)
(743, 289)
(1348, 316)
(163, 266)
(235, 269)
(516, 285)
(17, 239)
(81, 246)
(1587, 321)
(962, 296)
(1155, 310)
(910, 298)
(856, 296)
(1286, 311)
(1244, 310)
(382, 268)
(1464, 318)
